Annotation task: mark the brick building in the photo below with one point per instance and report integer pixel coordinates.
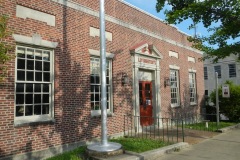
(51, 97)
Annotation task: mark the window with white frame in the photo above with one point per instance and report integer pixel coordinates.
(205, 73)
(33, 84)
(218, 70)
(192, 88)
(232, 70)
(174, 82)
(95, 82)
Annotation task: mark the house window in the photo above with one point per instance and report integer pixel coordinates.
(95, 82)
(206, 92)
(232, 70)
(205, 73)
(174, 81)
(192, 87)
(218, 70)
(33, 84)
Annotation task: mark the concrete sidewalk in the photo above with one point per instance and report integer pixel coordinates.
(225, 146)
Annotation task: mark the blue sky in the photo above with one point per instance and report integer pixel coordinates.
(149, 6)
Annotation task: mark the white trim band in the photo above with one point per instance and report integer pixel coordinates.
(192, 70)
(97, 53)
(174, 67)
(109, 18)
(34, 40)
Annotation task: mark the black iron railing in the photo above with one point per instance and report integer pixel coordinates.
(166, 129)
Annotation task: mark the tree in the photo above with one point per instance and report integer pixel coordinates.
(230, 107)
(225, 12)
(4, 48)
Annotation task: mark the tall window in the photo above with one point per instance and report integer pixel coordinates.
(95, 82)
(206, 92)
(218, 70)
(192, 88)
(34, 83)
(174, 81)
(205, 73)
(232, 70)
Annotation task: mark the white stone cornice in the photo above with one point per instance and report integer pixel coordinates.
(111, 19)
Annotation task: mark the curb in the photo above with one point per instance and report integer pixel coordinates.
(226, 129)
(153, 154)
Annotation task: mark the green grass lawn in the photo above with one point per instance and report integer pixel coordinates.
(71, 155)
(139, 145)
(212, 126)
(130, 144)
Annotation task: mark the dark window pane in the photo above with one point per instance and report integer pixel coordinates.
(37, 98)
(92, 106)
(147, 94)
(92, 79)
(97, 80)
(30, 65)
(97, 106)
(29, 99)
(140, 86)
(45, 109)
(38, 54)
(19, 98)
(46, 66)
(45, 87)
(45, 98)
(21, 64)
(28, 110)
(29, 87)
(38, 57)
(21, 55)
(20, 87)
(20, 75)
(107, 79)
(97, 88)
(46, 77)
(37, 88)
(147, 87)
(38, 76)
(19, 111)
(92, 88)
(92, 97)
(30, 53)
(97, 97)
(30, 56)
(29, 76)
(38, 65)
(37, 109)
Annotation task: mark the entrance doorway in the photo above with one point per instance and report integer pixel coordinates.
(145, 100)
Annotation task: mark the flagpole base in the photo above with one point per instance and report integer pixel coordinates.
(103, 151)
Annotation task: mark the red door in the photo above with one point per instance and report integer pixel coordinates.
(145, 100)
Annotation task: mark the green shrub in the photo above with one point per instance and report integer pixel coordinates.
(229, 106)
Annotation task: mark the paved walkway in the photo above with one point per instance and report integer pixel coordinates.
(225, 146)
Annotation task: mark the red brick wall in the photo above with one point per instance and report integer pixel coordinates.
(72, 69)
